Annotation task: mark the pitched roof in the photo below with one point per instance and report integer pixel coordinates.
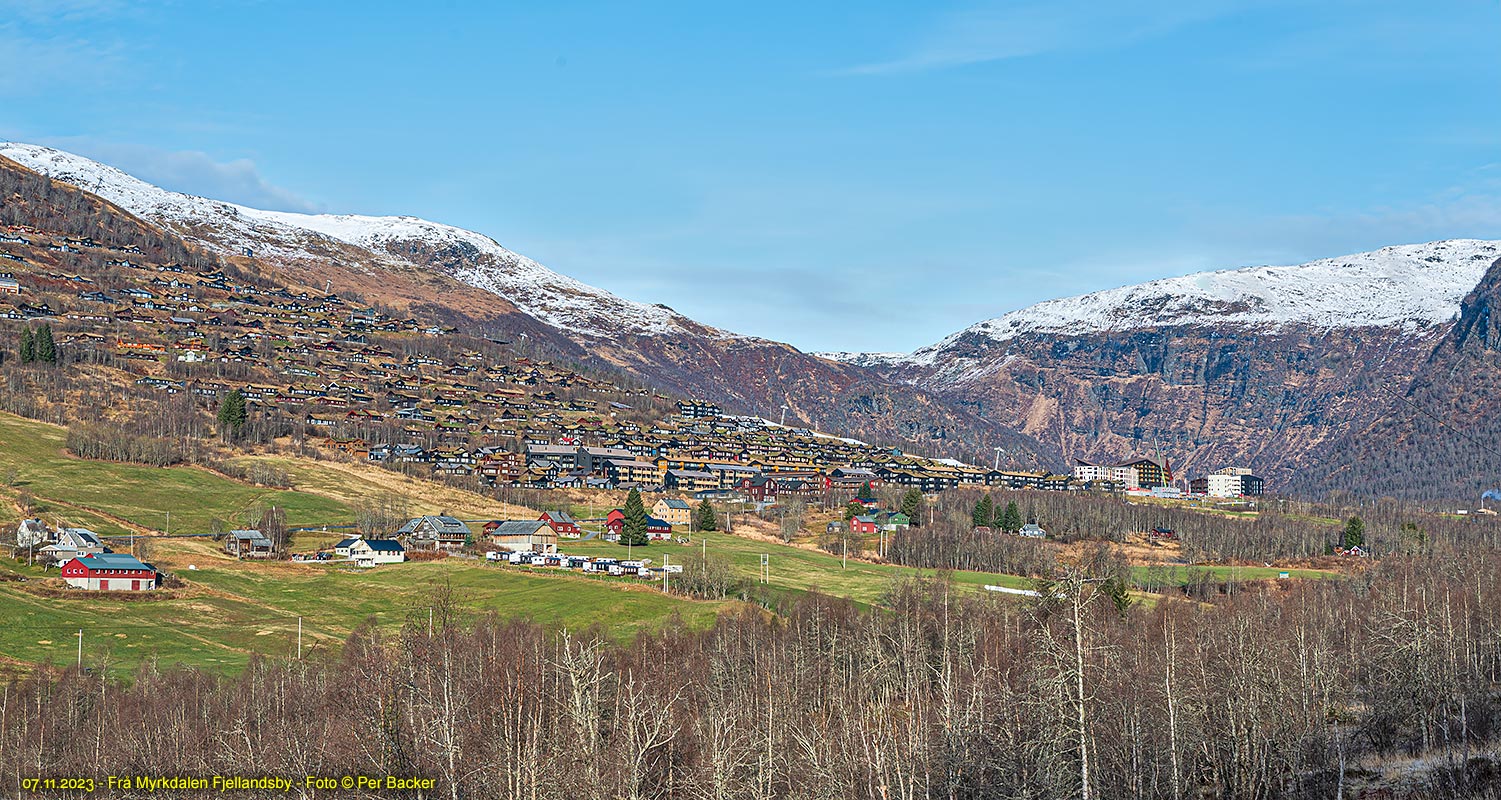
(518, 527)
(675, 503)
(112, 561)
(438, 524)
(385, 545)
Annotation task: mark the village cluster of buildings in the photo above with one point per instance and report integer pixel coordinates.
(86, 563)
(350, 376)
(1148, 476)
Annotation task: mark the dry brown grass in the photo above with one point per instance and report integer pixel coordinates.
(355, 483)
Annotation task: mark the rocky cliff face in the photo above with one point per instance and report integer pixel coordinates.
(1438, 434)
(1266, 367)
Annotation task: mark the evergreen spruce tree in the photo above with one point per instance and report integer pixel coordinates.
(912, 506)
(853, 510)
(232, 414)
(1354, 533)
(46, 348)
(1011, 518)
(984, 513)
(865, 493)
(28, 346)
(705, 519)
(634, 530)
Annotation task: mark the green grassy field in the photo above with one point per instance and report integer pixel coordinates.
(90, 493)
(235, 609)
(1181, 575)
(792, 568)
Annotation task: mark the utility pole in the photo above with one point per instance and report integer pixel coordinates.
(783, 423)
(299, 638)
(80, 648)
(998, 452)
(666, 562)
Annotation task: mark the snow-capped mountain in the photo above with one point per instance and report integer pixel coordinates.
(468, 280)
(477, 259)
(1407, 287)
(1263, 367)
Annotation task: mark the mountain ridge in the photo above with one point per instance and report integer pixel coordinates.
(1265, 367)
(467, 278)
(1407, 286)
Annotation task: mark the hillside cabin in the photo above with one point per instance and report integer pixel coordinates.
(247, 544)
(440, 532)
(32, 533)
(74, 543)
(370, 552)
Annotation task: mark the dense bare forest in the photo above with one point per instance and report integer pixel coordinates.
(1305, 691)
(1281, 529)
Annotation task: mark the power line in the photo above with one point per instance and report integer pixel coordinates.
(1425, 412)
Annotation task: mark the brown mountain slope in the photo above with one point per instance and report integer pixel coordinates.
(425, 275)
(1437, 435)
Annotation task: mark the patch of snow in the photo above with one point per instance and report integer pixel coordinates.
(864, 359)
(539, 292)
(1409, 287)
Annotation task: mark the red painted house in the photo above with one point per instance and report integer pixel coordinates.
(561, 523)
(863, 525)
(109, 572)
(760, 488)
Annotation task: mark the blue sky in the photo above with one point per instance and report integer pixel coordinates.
(851, 176)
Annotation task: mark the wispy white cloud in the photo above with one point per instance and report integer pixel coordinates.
(52, 11)
(194, 172)
(1007, 30)
(38, 64)
(50, 45)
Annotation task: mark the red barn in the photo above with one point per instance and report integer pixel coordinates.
(109, 572)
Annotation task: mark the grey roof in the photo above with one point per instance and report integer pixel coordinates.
(80, 536)
(518, 527)
(673, 502)
(437, 524)
(385, 545)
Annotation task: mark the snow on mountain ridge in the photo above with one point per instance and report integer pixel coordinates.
(1404, 286)
(541, 293)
